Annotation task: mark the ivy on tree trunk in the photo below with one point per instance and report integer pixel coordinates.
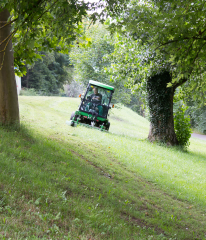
(9, 108)
(160, 100)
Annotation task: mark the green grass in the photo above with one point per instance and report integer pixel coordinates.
(60, 182)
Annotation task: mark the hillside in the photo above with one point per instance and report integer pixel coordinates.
(60, 182)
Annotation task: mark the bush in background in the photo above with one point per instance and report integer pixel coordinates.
(28, 92)
(182, 127)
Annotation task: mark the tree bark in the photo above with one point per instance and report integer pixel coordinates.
(160, 99)
(9, 107)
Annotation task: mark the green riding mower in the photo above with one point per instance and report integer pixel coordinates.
(94, 106)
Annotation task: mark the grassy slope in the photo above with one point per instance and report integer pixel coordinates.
(59, 182)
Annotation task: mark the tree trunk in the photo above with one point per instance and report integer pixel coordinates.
(9, 108)
(160, 99)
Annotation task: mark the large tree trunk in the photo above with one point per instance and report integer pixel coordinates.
(9, 108)
(160, 99)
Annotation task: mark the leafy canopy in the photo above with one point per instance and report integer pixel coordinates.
(175, 27)
(90, 62)
(42, 25)
(48, 75)
(166, 34)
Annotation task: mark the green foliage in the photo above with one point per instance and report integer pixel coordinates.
(149, 76)
(137, 105)
(158, 36)
(182, 127)
(182, 35)
(130, 66)
(90, 62)
(41, 26)
(48, 75)
(163, 35)
(197, 115)
(28, 92)
(200, 118)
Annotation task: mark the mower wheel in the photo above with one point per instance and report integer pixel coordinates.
(72, 115)
(107, 126)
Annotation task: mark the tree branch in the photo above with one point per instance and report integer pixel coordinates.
(10, 22)
(177, 40)
(182, 81)
(4, 50)
(8, 36)
(7, 23)
(47, 9)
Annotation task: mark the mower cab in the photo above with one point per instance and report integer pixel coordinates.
(94, 106)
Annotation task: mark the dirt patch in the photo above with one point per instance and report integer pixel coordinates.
(1, 187)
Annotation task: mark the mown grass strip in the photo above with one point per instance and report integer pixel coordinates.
(77, 183)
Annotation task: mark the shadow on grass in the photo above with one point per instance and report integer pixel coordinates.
(54, 176)
(65, 177)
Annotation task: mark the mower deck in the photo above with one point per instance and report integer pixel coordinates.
(85, 125)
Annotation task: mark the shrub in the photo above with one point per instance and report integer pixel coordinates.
(28, 92)
(182, 127)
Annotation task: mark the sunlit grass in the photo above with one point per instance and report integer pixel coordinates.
(80, 183)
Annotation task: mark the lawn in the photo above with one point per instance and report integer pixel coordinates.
(60, 182)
